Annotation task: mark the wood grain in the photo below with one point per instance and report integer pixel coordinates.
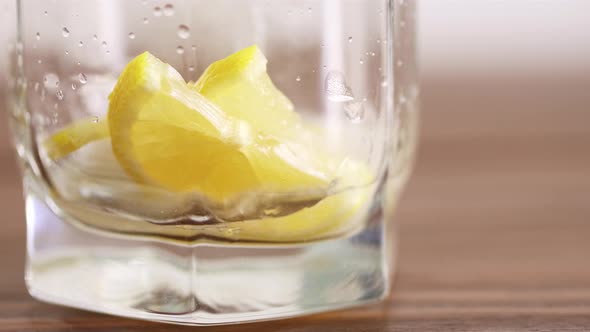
(494, 225)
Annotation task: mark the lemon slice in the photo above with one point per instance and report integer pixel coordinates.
(167, 134)
(74, 136)
(241, 87)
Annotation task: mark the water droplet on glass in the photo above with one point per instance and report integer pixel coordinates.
(56, 83)
(355, 111)
(80, 44)
(298, 79)
(384, 83)
(131, 35)
(38, 36)
(95, 37)
(42, 95)
(39, 61)
(60, 94)
(373, 54)
(378, 41)
(95, 119)
(168, 9)
(108, 51)
(45, 13)
(82, 78)
(74, 86)
(183, 31)
(399, 63)
(362, 62)
(65, 32)
(78, 63)
(309, 10)
(145, 20)
(194, 47)
(180, 50)
(67, 52)
(289, 13)
(191, 68)
(36, 87)
(336, 88)
(350, 39)
(104, 43)
(403, 99)
(157, 11)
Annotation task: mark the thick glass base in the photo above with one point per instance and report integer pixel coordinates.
(202, 284)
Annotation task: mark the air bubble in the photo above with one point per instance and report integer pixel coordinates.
(131, 35)
(65, 32)
(145, 20)
(104, 43)
(191, 68)
(80, 44)
(157, 11)
(183, 31)
(38, 36)
(168, 9)
(362, 62)
(350, 39)
(95, 37)
(180, 50)
(82, 78)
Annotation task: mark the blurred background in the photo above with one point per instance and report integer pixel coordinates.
(500, 192)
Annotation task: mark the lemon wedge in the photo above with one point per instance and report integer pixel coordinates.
(167, 134)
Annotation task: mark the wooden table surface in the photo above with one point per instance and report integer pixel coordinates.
(495, 223)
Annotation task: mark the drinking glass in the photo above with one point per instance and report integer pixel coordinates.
(101, 238)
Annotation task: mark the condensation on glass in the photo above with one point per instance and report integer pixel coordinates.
(349, 68)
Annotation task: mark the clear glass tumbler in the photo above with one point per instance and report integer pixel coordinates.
(162, 187)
